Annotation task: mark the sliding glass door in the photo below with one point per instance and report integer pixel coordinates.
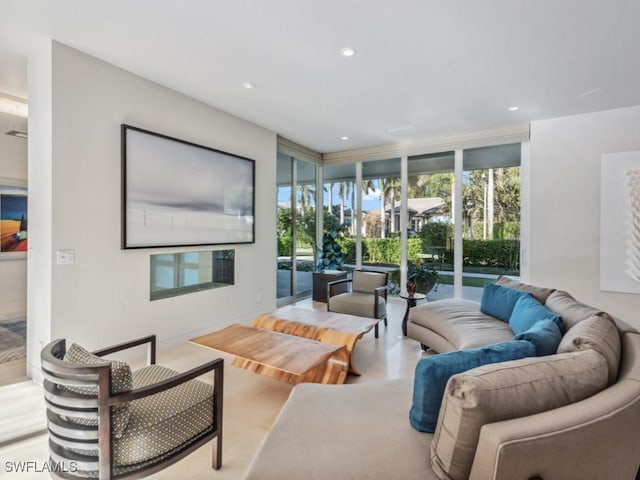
(296, 226)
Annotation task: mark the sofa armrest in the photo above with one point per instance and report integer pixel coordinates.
(592, 439)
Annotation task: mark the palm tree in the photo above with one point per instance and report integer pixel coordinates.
(368, 186)
(307, 195)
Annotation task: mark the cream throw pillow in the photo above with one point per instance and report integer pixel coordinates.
(504, 391)
(599, 333)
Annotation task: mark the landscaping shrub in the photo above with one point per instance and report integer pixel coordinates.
(492, 253)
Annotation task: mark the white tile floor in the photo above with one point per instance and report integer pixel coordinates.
(251, 402)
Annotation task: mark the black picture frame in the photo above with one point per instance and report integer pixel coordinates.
(177, 193)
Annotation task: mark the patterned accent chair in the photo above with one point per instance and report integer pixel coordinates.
(367, 296)
(106, 421)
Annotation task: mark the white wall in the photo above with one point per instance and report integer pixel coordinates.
(564, 230)
(13, 170)
(104, 297)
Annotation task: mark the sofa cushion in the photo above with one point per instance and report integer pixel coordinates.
(498, 301)
(544, 335)
(344, 432)
(504, 391)
(527, 311)
(433, 372)
(367, 282)
(599, 333)
(461, 323)
(121, 381)
(161, 423)
(571, 310)
(540, 293)
(356, 303)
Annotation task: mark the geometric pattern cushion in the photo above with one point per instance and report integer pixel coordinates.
(121, 381)
(162, 422)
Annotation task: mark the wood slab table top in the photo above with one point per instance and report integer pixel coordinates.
(321, 318)
(326, 327)
(286, 357)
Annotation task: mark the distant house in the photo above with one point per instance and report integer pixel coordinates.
(421, 211)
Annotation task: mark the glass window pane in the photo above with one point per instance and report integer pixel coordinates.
(339, 214)
(305, 238)
(180, 273)
(284, 234)
(430, 211)
(491, 212)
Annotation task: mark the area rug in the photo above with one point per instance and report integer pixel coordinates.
(12, 340)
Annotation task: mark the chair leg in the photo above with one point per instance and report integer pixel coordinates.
(375, 331)
(385, 322)
(216, 454)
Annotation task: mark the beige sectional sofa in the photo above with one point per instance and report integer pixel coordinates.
(571, 415)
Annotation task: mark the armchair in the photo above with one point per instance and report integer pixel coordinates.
(106, 421)
(367, 297)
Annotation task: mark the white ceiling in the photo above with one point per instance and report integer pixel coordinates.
(445, 67)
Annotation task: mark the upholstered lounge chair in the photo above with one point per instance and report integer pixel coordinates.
(106, 421)
(366, 298)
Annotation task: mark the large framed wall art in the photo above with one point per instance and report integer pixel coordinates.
(13, 219)
(178, 193)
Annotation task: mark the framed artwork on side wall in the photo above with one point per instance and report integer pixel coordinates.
(13, 219)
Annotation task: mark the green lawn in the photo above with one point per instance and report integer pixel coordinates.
(466, 281)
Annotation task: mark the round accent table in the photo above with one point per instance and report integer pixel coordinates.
(412, 301)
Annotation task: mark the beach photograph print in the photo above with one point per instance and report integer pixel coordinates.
(180, 194)
(13, 219)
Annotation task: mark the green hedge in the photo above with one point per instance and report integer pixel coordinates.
(492, 253)
(284, 246)
(387, 250)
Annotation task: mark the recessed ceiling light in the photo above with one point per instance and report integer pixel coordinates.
(347, 52)
(514, 108)
(344, 138)
(248, 85)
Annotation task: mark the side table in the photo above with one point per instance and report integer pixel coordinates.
(320, 280)
(412, 301)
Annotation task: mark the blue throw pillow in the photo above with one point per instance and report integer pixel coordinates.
(498, 301)
(527, 311)
(432, 374)
(544, 335)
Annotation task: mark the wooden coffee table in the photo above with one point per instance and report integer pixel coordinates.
(326, 327)
(285, 357)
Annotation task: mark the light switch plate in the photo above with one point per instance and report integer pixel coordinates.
(65, 257)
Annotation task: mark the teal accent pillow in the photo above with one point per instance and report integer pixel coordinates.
(498, 301)
(544, 335)
(433, 373)
(527, 311)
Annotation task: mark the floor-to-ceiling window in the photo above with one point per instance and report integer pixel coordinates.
(430, 245)
(366, 200)
(296, 227)
(491, 215)
(339, 208)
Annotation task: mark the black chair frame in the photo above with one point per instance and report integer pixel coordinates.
(64, 436)
(333, 287)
